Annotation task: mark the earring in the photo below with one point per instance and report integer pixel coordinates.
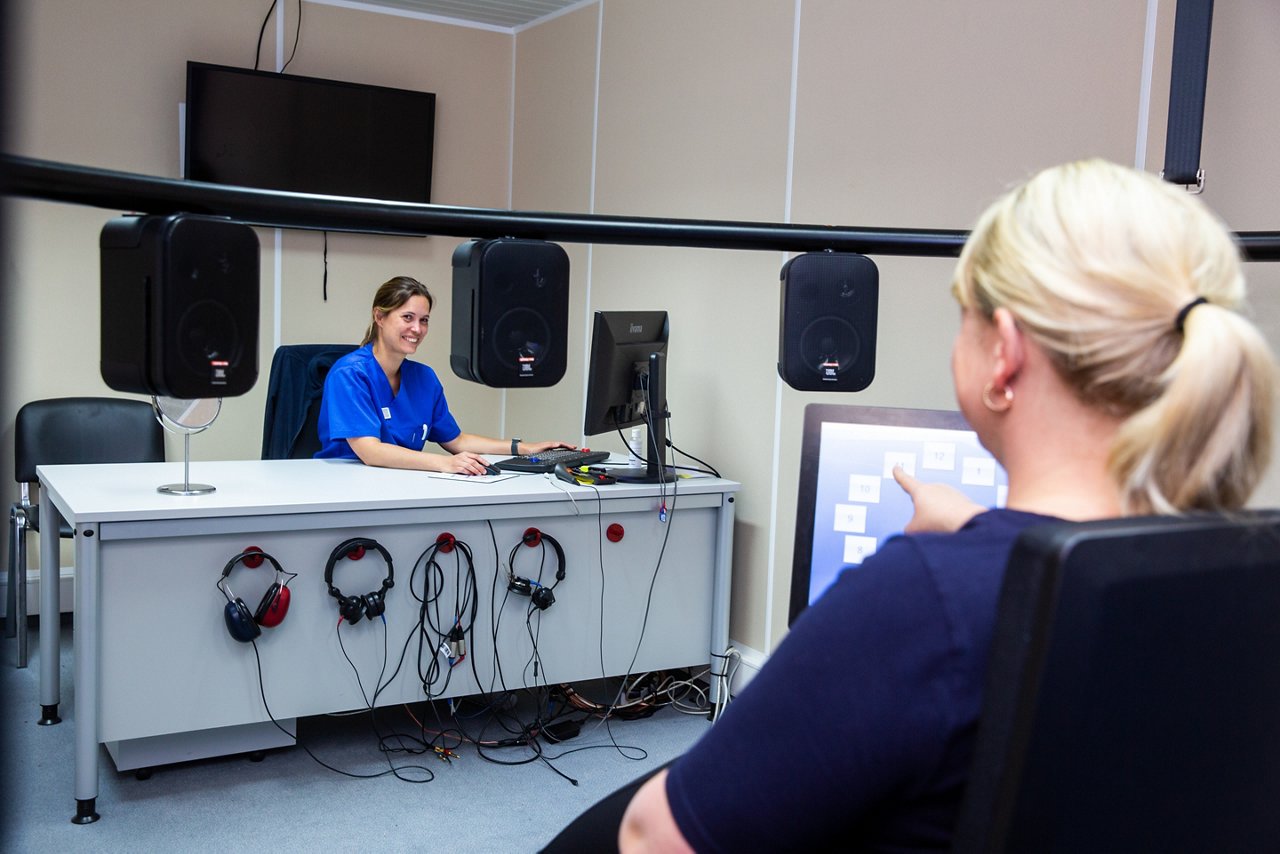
(1003, 406)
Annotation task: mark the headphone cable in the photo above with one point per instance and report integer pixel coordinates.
(392, 770)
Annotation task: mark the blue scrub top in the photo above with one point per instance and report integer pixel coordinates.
(358, 401)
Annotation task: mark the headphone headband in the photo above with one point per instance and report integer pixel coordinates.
(532, 537)
(371, 604)
(541, 594)
(343, 549)
(231, 564)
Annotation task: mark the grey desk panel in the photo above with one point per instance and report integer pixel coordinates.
(154, 660)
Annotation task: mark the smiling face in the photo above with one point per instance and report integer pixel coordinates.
(402, 329)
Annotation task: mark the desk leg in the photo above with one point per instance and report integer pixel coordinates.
(50, 617)
(87, 613)
(720, 588)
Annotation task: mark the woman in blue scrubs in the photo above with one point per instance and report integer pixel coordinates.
(381, 407)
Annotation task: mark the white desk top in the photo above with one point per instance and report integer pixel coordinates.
(87, 494)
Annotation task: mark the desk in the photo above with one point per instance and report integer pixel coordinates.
(158, 675)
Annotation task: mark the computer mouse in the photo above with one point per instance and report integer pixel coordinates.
(490, 468)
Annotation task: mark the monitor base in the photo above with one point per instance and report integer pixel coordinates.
(640, 474)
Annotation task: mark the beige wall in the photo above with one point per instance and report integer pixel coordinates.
(911, 114)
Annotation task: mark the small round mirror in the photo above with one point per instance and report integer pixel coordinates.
(185, 417)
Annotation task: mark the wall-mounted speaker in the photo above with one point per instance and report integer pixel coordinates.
(179, 306)
(510, 312)
(827, 328)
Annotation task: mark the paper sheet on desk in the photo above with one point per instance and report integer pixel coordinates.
(471, 478)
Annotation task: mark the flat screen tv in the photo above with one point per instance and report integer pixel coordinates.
(308, 135)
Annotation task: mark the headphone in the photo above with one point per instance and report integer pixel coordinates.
(541, 596)
(371, 604)
(243, 624)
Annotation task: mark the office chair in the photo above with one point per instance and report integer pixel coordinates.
(289, 423)
(67, 431)
(1133, 698)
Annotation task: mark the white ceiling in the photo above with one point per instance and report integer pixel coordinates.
(495, 13)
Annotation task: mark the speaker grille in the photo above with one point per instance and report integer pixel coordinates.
(827, 325)
(511, 312)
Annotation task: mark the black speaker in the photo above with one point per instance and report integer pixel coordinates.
(510, 312)
(827, 327)
(179, 306)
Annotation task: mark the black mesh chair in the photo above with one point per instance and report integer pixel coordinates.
(293, 399)
(67, 431)
(1133, 700)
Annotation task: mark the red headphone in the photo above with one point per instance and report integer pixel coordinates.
(243, 624)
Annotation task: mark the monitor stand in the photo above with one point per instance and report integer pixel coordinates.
(653, 471)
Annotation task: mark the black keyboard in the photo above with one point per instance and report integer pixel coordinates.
(548, 460)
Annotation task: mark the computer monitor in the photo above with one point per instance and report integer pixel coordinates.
(627, 384)
(848, 502)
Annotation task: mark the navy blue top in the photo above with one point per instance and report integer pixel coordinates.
(358, 401)
(859, 731)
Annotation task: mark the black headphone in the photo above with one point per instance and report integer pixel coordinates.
(371, 604)
(243, 624)
(540, 594)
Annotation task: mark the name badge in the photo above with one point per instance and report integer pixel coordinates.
(386, 413)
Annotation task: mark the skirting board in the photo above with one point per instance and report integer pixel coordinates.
(66, 591)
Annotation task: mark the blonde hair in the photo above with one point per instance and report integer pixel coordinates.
(390, 295)
(1096, 262)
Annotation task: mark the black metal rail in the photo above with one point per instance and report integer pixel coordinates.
(126, 191)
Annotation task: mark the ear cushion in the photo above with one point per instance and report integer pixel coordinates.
(543, 598)
(351, 608)
(374, 605)
(240, 622)
(273, 607)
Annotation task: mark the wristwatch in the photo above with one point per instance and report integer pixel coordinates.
(515, 447)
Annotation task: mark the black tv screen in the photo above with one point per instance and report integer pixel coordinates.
(308, 135)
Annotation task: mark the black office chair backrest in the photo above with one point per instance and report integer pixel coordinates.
(294, 391)
(73, 430)
(1133, 699)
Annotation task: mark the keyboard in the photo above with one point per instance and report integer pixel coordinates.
(548, 460)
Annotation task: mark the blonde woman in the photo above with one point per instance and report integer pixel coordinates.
(1102, 359)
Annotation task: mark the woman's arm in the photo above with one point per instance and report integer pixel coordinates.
(372, 451)
(939, 508)
(648, 824)
(484, 445)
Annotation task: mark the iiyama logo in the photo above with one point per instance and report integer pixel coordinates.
(635, 327)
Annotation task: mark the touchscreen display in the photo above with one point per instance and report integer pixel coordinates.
(849, 504)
